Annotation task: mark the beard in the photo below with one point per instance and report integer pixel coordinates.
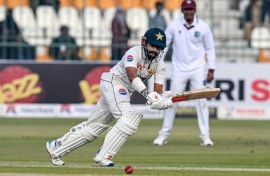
(152, 54)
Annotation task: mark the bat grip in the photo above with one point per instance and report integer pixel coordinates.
(179, 98)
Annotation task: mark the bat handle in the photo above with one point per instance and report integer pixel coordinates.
(179, 98)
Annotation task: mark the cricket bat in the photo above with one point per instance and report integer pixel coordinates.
(196, 94)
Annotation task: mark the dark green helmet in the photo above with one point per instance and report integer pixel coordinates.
(155, 36)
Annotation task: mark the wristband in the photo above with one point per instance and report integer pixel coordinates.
(138, 85)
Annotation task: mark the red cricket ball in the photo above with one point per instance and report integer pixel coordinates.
(129, 169)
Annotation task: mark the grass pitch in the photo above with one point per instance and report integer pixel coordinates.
(242, 148)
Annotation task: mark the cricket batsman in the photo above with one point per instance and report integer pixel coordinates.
(192, 41)
(116, 86)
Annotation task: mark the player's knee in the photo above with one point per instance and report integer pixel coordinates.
(93, 130)
(125, 127)
(129, 122)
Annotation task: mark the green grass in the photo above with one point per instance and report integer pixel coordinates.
(240, 148)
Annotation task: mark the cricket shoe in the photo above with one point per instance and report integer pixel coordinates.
(103, 162)
(161, 140)
(206, 141)
(50, 147)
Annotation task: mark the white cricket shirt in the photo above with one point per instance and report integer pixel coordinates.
(135, 57)
(190, 45)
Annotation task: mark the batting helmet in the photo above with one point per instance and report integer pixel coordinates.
(155, 36)
(188, 4)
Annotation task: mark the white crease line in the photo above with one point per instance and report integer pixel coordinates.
(141, 167)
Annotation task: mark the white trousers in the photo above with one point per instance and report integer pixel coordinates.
(114, 102)
(178, 85)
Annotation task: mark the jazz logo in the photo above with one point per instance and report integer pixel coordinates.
(20, 88)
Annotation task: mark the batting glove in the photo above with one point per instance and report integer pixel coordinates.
(153, 98)
(165, 103)
(166, 94)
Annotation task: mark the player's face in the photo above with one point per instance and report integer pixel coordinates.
(153, 51)
(189, 14)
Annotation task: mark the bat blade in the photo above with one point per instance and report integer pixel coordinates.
(196, 94)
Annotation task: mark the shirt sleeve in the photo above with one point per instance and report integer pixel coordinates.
(131, 58)
(210, 48)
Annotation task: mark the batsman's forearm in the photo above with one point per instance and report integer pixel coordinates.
(138, 85)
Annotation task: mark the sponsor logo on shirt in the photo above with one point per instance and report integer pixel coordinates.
(122, 91)
(197, 34)
(130, 58)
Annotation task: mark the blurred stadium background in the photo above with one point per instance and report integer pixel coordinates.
(40, 87)
(245, 92)
(90, 23)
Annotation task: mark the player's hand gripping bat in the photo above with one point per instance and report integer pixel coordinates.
(196, 94)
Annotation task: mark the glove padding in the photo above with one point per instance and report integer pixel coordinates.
(153, 97)
(166, 94)
(164, 103)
